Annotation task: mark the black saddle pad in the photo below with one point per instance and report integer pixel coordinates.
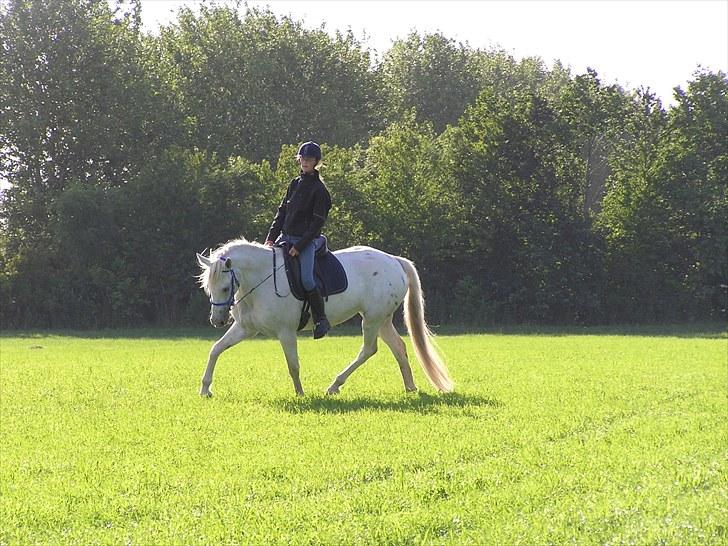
(328, 272)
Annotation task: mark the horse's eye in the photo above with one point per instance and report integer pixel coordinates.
(226, 290)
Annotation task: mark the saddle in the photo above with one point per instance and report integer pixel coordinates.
(327, 271)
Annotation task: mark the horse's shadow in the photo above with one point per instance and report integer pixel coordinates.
(419, 402)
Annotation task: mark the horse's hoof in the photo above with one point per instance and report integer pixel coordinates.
(206, 394)
(331, 391)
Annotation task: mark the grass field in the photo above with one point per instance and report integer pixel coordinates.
(585, 437)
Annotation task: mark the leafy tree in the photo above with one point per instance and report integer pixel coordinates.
(632, 216)
(249, 85)
(496, 69)
(397, 190)
(125, 255)
(431, 74)
(665, 210)
(524, 238)
(186, 202)
(595, 117)
(77, 103)
(697, 166)
(523, 194)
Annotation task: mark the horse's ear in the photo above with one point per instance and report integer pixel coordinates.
(228, 263)
(204, 262)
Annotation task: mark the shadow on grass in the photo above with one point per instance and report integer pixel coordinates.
(410, 403)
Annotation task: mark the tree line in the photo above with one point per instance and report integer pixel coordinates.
(523, 193)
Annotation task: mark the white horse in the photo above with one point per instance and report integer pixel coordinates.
(239, 278)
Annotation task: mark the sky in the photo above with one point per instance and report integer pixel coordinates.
(635, 43)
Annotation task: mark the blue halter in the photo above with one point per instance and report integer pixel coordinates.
(234, 285)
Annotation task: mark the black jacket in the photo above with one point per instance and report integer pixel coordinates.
(303, 210)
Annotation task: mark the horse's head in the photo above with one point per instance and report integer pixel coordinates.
(220, 283)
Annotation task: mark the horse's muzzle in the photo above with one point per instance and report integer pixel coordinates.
(219, 323)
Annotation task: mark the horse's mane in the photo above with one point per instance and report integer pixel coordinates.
(225, 249)
(212, 272)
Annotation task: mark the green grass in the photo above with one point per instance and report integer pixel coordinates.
(561, 437)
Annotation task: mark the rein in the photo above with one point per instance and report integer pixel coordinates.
(275, 283)
(235, 284)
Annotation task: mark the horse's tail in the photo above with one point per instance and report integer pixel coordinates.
(414, 318)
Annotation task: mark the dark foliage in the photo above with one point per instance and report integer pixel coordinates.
(524, 195)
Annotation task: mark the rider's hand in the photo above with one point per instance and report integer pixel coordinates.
(269, 243)
(293, 252)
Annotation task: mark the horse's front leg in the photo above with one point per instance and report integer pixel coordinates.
(233, 336)
(290, 349)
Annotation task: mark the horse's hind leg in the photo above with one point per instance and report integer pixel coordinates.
(368, 348)
(233, 336)
(391, 337)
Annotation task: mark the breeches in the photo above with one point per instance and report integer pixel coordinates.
(306, 257)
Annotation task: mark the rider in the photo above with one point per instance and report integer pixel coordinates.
(300, 217)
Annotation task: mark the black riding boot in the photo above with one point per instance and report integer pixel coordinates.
(321, 323)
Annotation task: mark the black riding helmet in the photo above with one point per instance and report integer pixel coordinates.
(310, 149)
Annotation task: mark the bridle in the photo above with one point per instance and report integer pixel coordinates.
(235, 284)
